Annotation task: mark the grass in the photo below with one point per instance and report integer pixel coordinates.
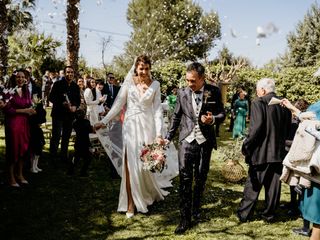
(56, 206)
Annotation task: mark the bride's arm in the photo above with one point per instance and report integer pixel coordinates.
(158, 113)
(118, 104)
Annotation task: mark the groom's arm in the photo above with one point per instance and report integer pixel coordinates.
(176, 118)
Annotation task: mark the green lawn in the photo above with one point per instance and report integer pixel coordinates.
(55, 206)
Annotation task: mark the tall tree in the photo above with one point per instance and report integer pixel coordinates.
(3, 38)
(170, 30)
(304, 43)
(73, 43)
(13, 16)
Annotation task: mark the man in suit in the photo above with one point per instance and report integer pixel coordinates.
(65, 97)
(111, 90)
(264, 149)
(198, 106)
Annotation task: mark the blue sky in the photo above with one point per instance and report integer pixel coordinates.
(107, 18)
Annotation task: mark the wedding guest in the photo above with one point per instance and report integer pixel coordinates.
(65, 97)
(198, 106)
(17, 130)
(81, 85)
(241, 111)
(235, 96)
(61, 75)
(82, 144)
(36, 137)
(54, 77)
(86, 79)
(46, 87)
(111, 90)
(264, 151)
(143, 123)
(29, 70)
(171, 101)
(293, 210)
(309, 204)
(87, 95)
(94, 100)
(172, 98)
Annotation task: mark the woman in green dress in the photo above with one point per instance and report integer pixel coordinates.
(241, 111)
(171, 100)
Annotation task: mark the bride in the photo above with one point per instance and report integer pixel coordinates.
(142, 124)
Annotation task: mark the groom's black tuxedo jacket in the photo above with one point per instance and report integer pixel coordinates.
(185, 118)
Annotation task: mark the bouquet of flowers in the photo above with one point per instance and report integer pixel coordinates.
(153, 157)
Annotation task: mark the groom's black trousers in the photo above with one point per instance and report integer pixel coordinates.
(194, 160)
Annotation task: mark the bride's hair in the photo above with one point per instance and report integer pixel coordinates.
(142, 58)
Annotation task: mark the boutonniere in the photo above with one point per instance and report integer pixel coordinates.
(206, 94)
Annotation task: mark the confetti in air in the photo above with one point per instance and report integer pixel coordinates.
(266, 31)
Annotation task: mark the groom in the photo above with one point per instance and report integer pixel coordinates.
(198, 107)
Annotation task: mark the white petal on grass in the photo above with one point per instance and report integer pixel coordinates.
(317, 73)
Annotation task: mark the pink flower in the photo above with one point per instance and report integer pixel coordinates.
(153, 157)
(144, 151)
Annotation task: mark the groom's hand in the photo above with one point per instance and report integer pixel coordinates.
(207, 119)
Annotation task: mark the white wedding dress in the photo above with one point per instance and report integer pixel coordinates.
(143, 121)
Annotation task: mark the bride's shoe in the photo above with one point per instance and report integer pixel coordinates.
(129, 214)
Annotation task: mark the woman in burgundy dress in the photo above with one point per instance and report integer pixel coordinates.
(17, 112)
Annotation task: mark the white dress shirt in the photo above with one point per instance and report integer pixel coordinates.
(196, 133)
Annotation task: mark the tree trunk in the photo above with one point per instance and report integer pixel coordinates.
(73, 43)
(3, 39)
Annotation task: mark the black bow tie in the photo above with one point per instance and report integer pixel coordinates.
(198, 92)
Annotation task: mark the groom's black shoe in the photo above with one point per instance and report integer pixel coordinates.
(196, 215)
(183, 226)
(240, 218)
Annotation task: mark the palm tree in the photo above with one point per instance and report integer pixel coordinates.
(3, 38)
(73, 43)
(13, 17)
(32, 49)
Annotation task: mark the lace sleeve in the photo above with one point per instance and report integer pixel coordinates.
(118, 104)
(158, 114)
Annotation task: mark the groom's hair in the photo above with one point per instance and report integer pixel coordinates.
(195, 66)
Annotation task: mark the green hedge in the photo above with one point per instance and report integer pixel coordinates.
(292, 83)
